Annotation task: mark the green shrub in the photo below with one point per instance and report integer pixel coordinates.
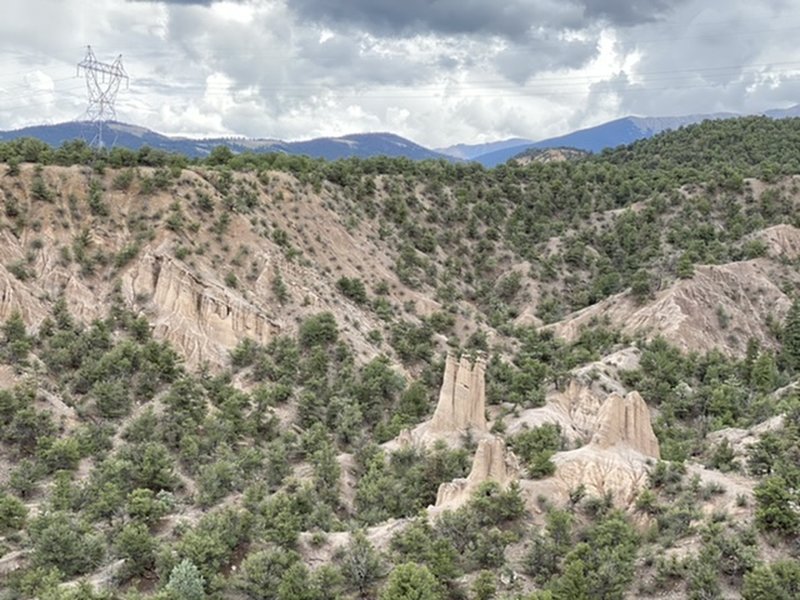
(535, 447)
(353, 288)
(63, 541)
(777, 581)
(12, 513)
(411, 581)
(318, 330)
(777, 506)
(122, 181)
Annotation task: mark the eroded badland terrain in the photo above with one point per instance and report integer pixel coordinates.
(271, 377)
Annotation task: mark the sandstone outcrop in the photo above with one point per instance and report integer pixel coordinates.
(492, 462)
(626, 421)
(462, 397)
(575, 409)
(176, 275)
(204, 319)
(585, 414)
(460, 411)
(719, 307)
(14, 298)
(604, 376)
(617, 459)
(782, 241)
(620, 472)
(618, 440)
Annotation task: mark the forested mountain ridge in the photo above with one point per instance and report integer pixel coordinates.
(373, 144)
(606, 135)
(133, 137)
(220, 377)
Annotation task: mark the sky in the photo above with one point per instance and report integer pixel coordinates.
(438, 72)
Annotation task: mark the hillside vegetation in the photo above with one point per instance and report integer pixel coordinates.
(219, 377)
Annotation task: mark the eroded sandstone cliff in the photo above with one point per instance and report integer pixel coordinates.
(719, 307)
(460, 410)
(462, 398)
(203, 318)
(493, 461)
(615, 462)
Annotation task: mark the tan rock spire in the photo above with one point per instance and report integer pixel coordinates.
(478, 394)
(492, 462)
(462, 398)
(626, 421)
(443, 415)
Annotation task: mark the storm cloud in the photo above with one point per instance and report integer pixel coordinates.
(512, 19)
(436, 71)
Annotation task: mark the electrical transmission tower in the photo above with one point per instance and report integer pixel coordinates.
(103, 81)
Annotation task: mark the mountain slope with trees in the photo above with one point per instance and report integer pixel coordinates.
(202, 362)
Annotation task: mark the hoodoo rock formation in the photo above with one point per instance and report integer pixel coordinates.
(626, 421)
(461, 408)
(492, 462)
(617, 459)
(462, 398)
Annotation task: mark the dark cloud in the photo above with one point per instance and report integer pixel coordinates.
(436, 71)
(628, 12)
(519, 62)
(194, 2)
(511, 19)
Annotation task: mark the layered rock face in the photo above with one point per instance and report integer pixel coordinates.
(686, 312)
(619, 472)
(492, 462)
(203, 319)
(576, 409)
(783, 241)
(461, 407)
(617, 459)
(462, 398)
(626, 421)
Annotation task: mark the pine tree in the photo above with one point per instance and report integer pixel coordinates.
(572, 585)
(411, 581)
(764, 373)
(18, 344)
(791, 336)
(361, 564)
(186, 582)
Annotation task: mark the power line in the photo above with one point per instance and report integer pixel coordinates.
(578, 86)
(495, 95)
(787, 67)
(440, 93)
(566, 88)
(32, 94)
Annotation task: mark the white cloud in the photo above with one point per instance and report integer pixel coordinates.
(301, 68)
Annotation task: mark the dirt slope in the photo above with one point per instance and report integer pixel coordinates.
(206, 286)
(719, 307)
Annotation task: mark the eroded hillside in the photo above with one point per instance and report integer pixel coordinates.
(270, 377)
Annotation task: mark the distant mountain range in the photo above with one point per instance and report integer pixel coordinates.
(362, 145)
(473, 151)
(608, 135)
(365, 145)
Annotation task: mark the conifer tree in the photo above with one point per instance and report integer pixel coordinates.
(791, 336)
